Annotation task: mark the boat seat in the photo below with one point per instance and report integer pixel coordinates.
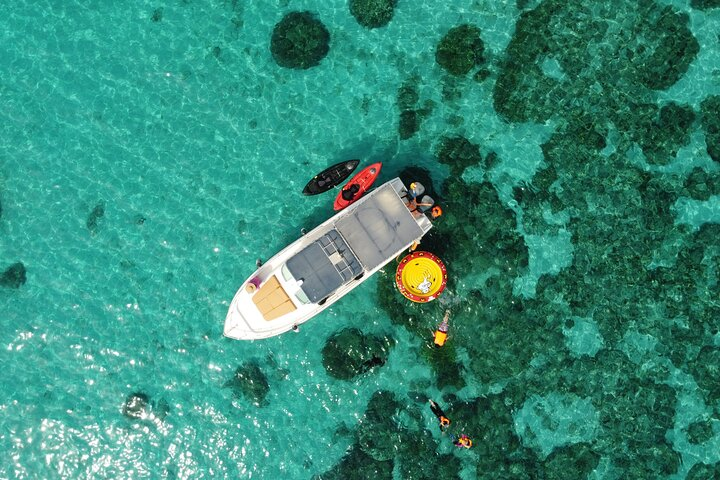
(272, 300)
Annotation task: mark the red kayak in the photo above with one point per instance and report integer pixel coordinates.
(357, 185)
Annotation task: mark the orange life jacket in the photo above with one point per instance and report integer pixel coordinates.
(440, 338)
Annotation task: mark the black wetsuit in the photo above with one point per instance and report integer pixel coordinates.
(437, 410)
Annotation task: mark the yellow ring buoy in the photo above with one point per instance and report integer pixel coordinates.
(421, 277)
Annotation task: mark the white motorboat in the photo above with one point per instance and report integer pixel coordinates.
(322, 266)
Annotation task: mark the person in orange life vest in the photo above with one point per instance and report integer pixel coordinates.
(442, 418)
(463, 441)
(441, 332)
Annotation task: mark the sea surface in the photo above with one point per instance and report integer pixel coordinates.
(151, 151)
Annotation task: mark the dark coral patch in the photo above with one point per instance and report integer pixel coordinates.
(373, 13)
(349, 353)
(710, 109)
(706, 371)
(14, 276)
(701, 185)
(700, 432)
(250, 382)
(661, 133)
(705, 5)
(358, 465)
(93, 219)
(601, 68)
(458, 153)
(460, 49)
(299, 41)
(136, 406)
(157, 15)
(378, 432)
(409, 124)
(671, 49)
(704, 472)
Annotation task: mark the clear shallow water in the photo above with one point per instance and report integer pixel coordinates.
(196, 145)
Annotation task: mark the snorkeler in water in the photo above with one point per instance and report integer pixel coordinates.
(442, 418)
(463, 441)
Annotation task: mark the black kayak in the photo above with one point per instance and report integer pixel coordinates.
(330, 177)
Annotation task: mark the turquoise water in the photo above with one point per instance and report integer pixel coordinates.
(151, 152)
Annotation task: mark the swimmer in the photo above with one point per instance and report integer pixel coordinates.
(442, 418)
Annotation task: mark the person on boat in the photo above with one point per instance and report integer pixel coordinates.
(463, 441)
(442, 418)
(350, 192)
(416, 189)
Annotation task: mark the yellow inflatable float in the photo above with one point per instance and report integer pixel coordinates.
(421, 277)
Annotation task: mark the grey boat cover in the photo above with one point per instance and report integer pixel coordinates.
(371, 232)
(379, 227)
(323, 266)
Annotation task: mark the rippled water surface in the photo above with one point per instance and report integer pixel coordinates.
(150, 152)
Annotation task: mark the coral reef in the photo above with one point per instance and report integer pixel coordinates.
(299, 41)
(700, 431)
(704, 472)
(250, 382)
(349, 353)
(93, 219)
(458, 153)
(705, 4)
(701, 184)
(14, 276)
(411, 115)
(378, 433)
(710, 111)
(646, 285)
(389, 435)
(460, 50)
(358, 465)
(373, 13)
(611, 56)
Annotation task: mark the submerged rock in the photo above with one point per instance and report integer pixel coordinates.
(350, 353)
(299, 41)
(137, 406)
(14, 276)
(250, 382)
(373, 13)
